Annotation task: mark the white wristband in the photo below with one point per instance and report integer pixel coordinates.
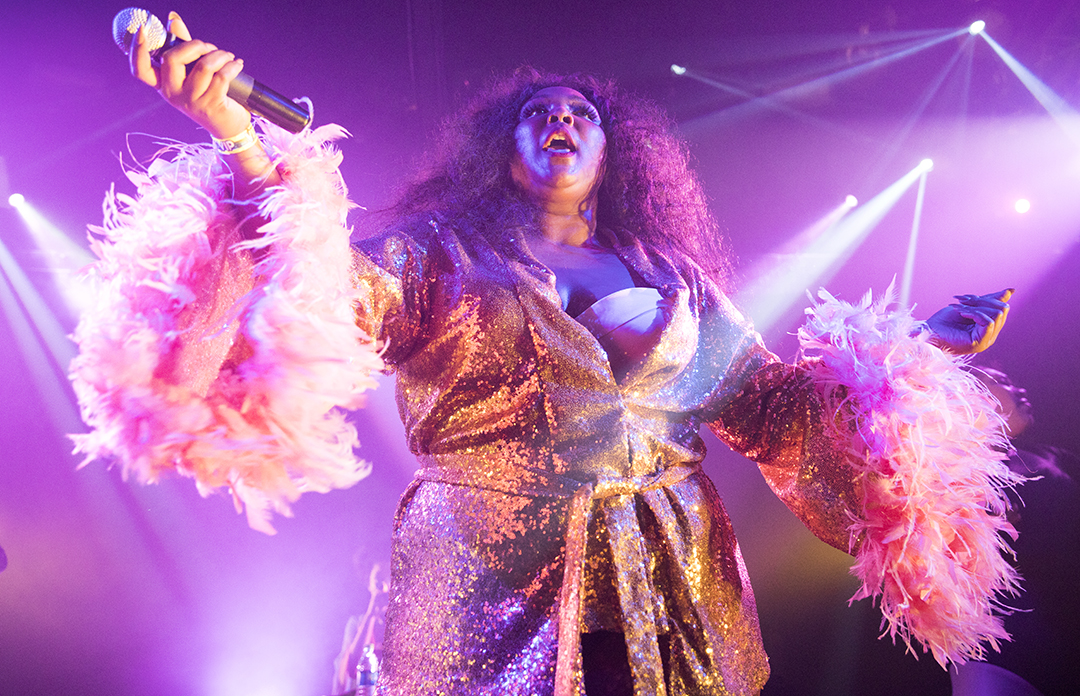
(238, 143)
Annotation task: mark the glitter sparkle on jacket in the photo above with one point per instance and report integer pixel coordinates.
(552, 498)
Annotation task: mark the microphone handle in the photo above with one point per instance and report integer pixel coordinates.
(257, 97)
(263, 101)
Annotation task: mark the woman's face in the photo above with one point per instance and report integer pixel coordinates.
(560, 146)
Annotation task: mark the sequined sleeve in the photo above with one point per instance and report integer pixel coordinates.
(780, 420)
(395, 273)
(886, 448)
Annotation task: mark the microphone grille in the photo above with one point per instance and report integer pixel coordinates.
(126, 24)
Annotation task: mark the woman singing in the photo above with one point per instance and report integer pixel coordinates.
(548, 291)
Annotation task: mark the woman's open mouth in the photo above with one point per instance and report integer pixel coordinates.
(559, 142)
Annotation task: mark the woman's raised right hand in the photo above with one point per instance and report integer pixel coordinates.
(200, 92)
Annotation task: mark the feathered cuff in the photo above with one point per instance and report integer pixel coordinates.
(229, 361)
(928, 450)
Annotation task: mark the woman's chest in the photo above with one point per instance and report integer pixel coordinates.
(583, 275)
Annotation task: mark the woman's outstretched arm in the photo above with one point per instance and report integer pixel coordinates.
(222, 341)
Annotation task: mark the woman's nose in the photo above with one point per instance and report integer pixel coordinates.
(563, 115)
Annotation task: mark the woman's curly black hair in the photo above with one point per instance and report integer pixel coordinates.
(648, 190)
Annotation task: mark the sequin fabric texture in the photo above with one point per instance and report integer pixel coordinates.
(554, 499)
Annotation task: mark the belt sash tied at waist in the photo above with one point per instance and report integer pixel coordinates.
(641, 605)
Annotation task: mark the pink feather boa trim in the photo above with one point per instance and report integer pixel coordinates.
(267, 427)
(927, 446)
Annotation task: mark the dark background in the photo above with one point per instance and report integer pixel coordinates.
(115, 589)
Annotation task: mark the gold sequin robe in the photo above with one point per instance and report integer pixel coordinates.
(553, 498)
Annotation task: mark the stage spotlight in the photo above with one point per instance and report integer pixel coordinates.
(678, 69)
(1022, 206)
(977, 27)
(851, 201)
(59, 253)
(926, 165)
(1059, 109)
(774, 286)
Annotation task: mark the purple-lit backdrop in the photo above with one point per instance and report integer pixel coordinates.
(116, 589)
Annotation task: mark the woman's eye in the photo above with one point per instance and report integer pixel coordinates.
(588, 111)
(532, 110)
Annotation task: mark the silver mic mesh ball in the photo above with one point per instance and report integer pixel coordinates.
(126, 24)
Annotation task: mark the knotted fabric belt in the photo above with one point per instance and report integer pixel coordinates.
(640, 604)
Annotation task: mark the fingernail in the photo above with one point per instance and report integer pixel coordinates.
(173, 15)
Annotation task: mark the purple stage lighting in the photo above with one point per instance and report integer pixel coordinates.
(977, 27)
(1022, 206)
(16, 199)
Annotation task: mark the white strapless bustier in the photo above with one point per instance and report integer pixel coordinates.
(627, 323)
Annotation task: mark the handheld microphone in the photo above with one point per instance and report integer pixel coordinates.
(250, 93)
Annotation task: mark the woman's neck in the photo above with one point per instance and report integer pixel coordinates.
(570, 226)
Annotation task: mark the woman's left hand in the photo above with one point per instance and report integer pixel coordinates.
(971, 325)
